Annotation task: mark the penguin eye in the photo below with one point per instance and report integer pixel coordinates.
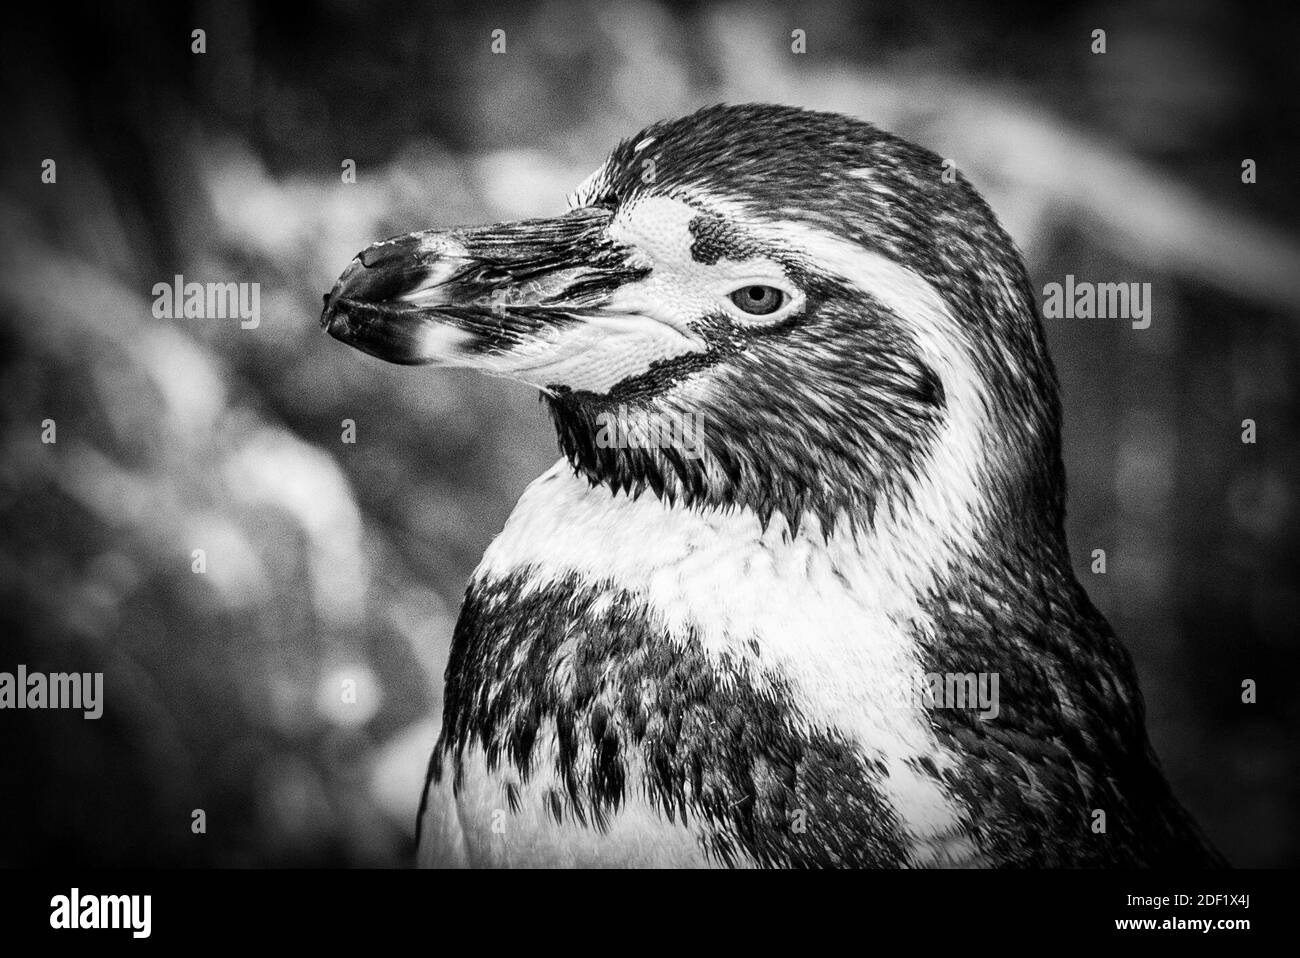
(759, 300)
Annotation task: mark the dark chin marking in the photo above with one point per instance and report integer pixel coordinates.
(637, 715)
(662, 374)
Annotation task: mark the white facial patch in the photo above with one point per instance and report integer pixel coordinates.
(680, 289)
(593, 354)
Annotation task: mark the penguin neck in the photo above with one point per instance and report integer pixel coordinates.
(677, 459)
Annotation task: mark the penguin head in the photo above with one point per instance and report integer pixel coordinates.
(835, 324)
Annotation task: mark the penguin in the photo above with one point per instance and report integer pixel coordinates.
(810, 492)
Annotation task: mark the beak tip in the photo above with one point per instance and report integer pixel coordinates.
(327, 313)
(354, 283)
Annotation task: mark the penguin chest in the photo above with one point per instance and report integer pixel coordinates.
(636, 683)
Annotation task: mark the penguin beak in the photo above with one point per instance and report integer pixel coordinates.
(506, 298)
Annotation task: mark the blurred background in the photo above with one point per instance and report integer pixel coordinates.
(330, 562)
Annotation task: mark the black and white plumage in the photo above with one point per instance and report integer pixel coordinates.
(670, 659)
